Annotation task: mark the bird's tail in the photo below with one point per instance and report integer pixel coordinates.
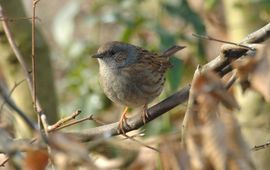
(169, 52)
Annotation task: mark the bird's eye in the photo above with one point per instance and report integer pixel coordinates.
(111, 52)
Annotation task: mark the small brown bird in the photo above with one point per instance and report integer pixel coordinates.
(132, 76)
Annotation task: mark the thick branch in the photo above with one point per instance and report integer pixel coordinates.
(135, 122)
(220, 65)
(258, 36)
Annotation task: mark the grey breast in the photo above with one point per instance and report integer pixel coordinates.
(130, 89)
(117, 87)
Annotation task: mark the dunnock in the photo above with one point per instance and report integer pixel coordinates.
(132, 76)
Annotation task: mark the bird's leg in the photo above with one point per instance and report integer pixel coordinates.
(123, 119)
(145, 113)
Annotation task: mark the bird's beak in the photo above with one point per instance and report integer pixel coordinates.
(96, 56)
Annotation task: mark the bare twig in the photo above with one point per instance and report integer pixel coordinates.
(98, 121)
(44, 123)
(33, 57)
(11, 91)
(141, 143)
(73, 123)
(20, 58)
(207, 37)
(64, 120)
(139, 134)
(19, 18)
(263, 146)
(15, 48)
(12, 105)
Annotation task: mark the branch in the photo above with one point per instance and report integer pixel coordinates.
(262, 146)
(33, 57)
(11, 91)
(15, 48)
(12, 105)
(258, 36)
(64, 120)
(135, 122)
(220, 64)
(20, 58)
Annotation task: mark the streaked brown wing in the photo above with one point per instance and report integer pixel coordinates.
(148, 73)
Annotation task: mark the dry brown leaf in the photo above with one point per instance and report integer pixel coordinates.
(214, 140)
(146, 160)
(36, 159)
(244, 67)
(254, 70)
(260, 75)
(209, 90)
(173, 156)
(68, 153)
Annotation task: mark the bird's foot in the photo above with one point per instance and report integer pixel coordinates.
(122, 121)
(145, 114)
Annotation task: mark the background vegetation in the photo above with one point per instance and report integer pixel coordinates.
(69, 32)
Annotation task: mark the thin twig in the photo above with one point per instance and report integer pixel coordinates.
(15, 48)
(141, 143)
(73, 123)
(33, 57)
(27, 74)
(207, 37)
(44, 123)
(141, 133)
(12, 105)
(19, 18)
(263, 146)
(98, 121)
(64, 120)
(11, 91)
(20, 58)
(15, 86)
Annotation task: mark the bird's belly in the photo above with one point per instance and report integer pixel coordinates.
(123, 90)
